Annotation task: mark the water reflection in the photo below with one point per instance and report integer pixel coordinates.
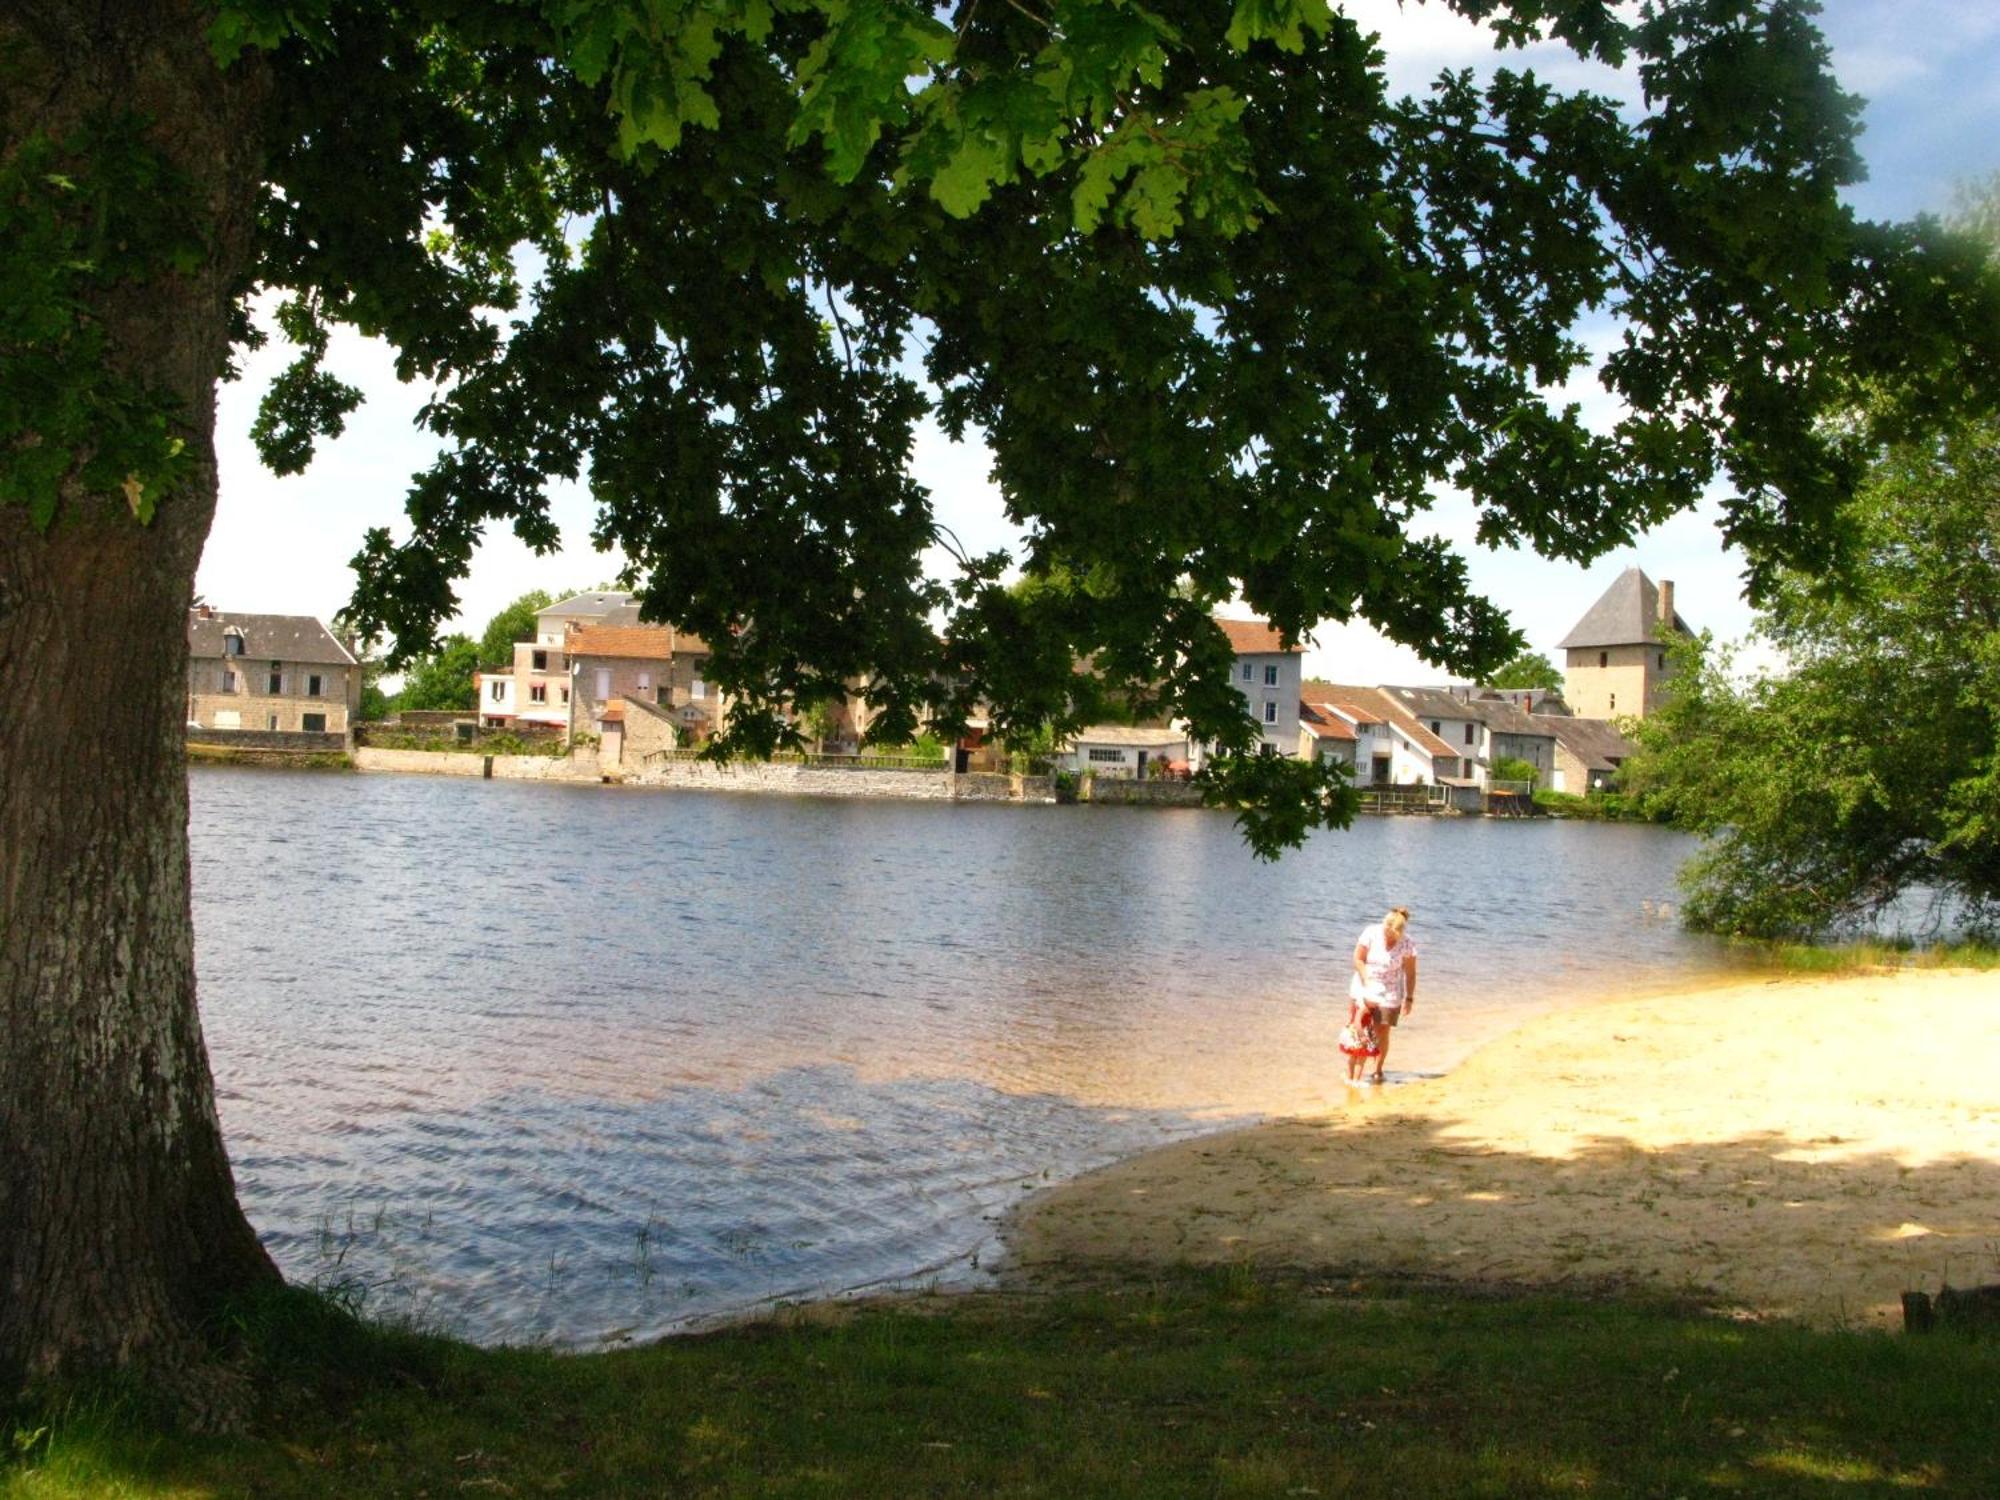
(563, 1062)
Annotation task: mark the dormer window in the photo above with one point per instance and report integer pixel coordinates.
(232, 643)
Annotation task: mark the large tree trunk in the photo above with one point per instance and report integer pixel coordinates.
(119, 1228)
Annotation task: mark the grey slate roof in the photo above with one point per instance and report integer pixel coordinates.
(1627, 615)
(266, 638)
(1496, 714)
(1504, 718)
(605, 606)
(1595, 742)
(1434, 703)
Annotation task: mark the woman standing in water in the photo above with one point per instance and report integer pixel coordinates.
(1385, 977)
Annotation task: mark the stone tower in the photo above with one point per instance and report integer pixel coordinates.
(1615, 660)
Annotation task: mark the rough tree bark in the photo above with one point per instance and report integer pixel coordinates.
(119, 1226)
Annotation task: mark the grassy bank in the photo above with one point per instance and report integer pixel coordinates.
(1217, 1384)
(1873, 954)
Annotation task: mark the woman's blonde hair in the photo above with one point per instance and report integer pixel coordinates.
(1397, 919)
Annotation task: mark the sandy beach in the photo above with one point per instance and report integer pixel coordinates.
(1800, 1147)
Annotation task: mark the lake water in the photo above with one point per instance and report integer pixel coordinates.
(579, 1064)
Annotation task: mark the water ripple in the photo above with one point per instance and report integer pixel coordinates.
(572, 1064)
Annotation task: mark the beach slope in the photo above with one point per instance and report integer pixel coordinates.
(1802, 1147)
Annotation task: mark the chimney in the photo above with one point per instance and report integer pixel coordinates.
(1667, 602)
(206, 610)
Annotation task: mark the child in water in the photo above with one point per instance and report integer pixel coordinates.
(1357, 1038)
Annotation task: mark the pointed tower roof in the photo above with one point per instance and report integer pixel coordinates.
(1627, 614)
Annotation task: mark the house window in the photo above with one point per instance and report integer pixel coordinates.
(538, 692)
(1098, 753)
(1436, 727)
(497, 690)
(1249, 672)
(1614, 703)
(645, 681)
(228, 680)
(700, 689)
(1270, 711)
(232, 645)
(276, 681)
(1663, 661)
(660, 693)
(271, 721)
(541, 660)
(1270, 675)
(565, 695)
(1468, 734)
(313, 723)
(603, 683)
(312, 684)
(1604, 658)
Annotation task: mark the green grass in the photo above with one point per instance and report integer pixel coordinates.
(1201, 1385)
(1861, 957)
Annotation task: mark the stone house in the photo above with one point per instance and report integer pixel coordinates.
(269, 672)
(1615, 659)
(536, 689)
(1588, 752)
(1514, 734)
(656, 666)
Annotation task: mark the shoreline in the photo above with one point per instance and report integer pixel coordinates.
(1753, 1144)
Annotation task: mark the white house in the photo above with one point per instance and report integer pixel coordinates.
(1124, 751)
(1268, 674)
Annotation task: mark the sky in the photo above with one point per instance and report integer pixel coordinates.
(1928, 69)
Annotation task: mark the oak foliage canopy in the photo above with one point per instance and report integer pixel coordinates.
(1228, 313)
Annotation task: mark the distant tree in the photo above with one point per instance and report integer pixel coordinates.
(514, 623)
(1870, 770)
(1512, 768)
(442, 679)
(1527, 669)
(374, 702)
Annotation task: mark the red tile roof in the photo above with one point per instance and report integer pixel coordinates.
(1318, 719)
(629, 642)
(1376, 706)
(1254, 637)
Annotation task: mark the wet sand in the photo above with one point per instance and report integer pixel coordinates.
(1801, 1147)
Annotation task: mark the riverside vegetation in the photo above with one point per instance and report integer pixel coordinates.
(1221, 1383)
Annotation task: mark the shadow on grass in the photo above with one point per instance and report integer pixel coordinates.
(1226, 1382)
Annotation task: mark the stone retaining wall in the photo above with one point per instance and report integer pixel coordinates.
(784, 778)
(456, 763)
(296, 740)
(1145, 793)
(797, 780)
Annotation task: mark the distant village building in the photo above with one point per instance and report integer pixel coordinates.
(655, 666)
(1268, 674)
(269, 672)
(1615, 660)
(1588, 753)
(536, 689)
(1126, 750)
(1392, 747)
